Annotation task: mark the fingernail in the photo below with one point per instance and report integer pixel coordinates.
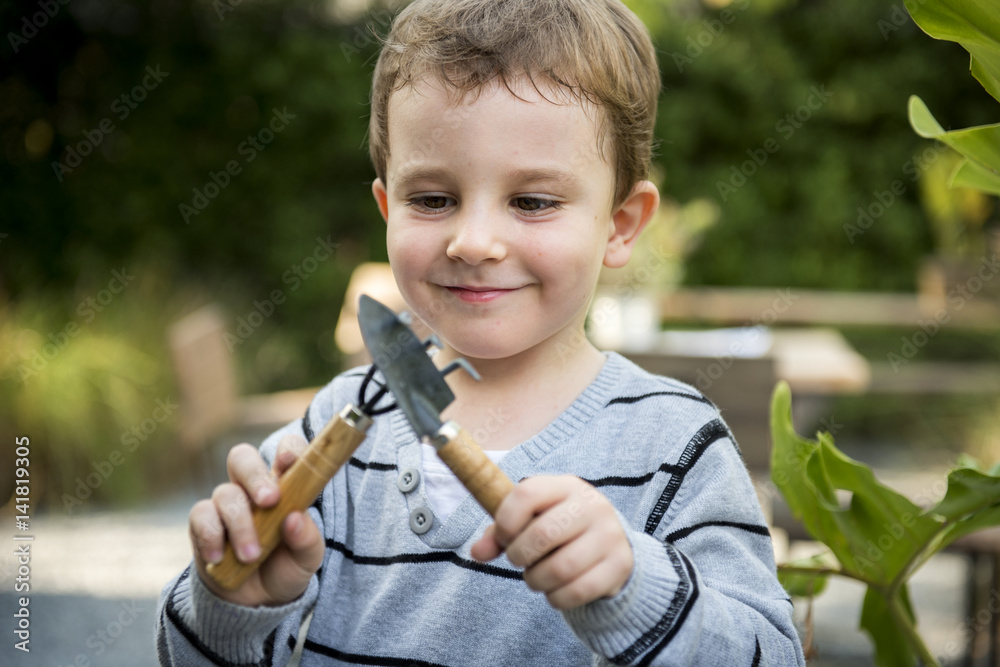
(249, 552)
(215, 557)
(262, 494)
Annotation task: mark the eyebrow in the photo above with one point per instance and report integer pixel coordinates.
(560, 177)
(406, 176)
(557, 176)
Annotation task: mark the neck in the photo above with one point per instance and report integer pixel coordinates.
(535, 385)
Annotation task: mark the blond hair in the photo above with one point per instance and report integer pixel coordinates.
(595, 49)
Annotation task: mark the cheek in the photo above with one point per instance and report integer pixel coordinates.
(410, 249)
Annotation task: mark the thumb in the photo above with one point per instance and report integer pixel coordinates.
(488, 547)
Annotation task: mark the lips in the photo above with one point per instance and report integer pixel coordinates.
(479, 294)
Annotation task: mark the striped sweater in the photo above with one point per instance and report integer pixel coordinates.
(392, 591)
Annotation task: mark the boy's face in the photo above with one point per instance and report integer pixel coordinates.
(499, 215)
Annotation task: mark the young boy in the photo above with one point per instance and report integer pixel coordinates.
(511, 140)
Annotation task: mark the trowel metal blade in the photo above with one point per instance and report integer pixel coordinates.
(420, 390)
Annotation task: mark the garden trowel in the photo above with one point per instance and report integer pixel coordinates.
(421, 393)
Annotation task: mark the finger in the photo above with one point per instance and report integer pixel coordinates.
(528, 499)
(248, 469)
(233, 506)
(565, 564)
(300, 554)
(487, 548)
(555, 527)
(290, 448)
(304, 541)
(602, 580)
(205, 529)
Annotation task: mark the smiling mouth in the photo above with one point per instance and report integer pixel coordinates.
(475, 294)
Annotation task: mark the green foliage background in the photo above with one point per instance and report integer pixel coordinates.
(730, 80)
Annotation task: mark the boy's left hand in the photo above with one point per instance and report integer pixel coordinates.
(566, 536)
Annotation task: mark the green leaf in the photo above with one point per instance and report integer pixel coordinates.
(971, 503)
(806, 584)
(874, 535)
(969, 490)
(892, 646)
(980, 144)
(878, 536)
(975, 24)
(971, 174)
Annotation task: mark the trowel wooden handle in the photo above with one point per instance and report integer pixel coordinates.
(477, 472)
(299, 486)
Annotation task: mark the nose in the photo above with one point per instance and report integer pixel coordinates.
(477, 237)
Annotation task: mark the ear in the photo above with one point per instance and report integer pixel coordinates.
(381, 198)
(628, 220)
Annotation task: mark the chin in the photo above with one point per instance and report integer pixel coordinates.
(478, 349)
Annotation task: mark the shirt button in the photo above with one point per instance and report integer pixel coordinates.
(421, 520)
(408, 480)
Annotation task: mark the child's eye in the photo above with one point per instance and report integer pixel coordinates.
(431, 202)
(534, 205)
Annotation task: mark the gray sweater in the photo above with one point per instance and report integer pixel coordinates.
(703, 590)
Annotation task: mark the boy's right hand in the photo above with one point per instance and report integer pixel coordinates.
(285, 575)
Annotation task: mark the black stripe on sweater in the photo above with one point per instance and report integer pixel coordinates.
(648, 658)
(756, 654)
(371, 465)
(428, 557)
(269, 649)
(635, 399)
(306, 428)
(663, 625)
(191, 637)
(358, 659)
(633, 481)
(706, 435)
(749, 527)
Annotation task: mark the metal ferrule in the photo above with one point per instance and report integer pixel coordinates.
(355, 418)
(448, 432)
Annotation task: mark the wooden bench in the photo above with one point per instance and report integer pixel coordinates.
(210, 403)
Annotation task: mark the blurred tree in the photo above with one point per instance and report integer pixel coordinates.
(128, 130)
(791, 115)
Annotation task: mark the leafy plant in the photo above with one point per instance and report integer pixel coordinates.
(874, 534)
(84, 389)
(975, 24)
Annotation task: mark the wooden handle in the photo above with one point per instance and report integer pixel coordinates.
(299, 486)
(470, 464)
